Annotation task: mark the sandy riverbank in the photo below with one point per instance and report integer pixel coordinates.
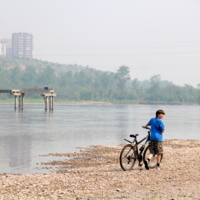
(94, 173)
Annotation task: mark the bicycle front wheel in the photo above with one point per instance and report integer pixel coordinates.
(153, 158)
(127, 157)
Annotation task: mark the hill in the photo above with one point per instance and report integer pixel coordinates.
(39, 65)
(76, 82)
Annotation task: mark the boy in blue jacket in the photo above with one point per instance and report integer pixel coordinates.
(156, 138)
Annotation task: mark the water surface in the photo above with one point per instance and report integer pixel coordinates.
(24, 135)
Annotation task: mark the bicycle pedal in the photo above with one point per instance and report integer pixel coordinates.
(140, 164)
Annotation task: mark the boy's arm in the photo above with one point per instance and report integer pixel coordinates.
(148, 124)
(162, 126)
(145, 126)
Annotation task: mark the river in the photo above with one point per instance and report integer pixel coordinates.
(24, 135)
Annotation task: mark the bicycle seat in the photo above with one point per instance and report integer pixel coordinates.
(134, 135)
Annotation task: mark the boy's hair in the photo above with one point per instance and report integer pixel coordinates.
(158, 112)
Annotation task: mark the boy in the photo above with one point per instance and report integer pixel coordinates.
(156, 138)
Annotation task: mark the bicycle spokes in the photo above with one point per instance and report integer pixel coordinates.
(127, 157)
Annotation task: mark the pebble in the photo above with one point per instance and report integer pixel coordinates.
(103, 179)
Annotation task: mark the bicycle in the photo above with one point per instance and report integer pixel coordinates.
(130, 153)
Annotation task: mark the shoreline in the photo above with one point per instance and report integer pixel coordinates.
(94, 173)
(107, 103)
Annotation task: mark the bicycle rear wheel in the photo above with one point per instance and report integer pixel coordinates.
(153, 159)
(127, 157)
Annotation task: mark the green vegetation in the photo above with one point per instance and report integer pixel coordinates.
(78, 83)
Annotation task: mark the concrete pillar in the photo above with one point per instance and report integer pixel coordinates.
(19, 103)
(46, 103)
(15, 102)
(52, 103)
(49, 101)
(22, 101)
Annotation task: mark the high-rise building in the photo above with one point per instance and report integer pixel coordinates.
(22, 45)
(8, 43)
(2, 49)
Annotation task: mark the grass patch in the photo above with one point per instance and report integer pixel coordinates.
(66, 101)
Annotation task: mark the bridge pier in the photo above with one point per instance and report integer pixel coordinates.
(16, 94)
(19, 102)
(22, 101)
(46, 102)
(49, 100)
(52, 100)
(15, 102)
(50, 103)
(48, 95)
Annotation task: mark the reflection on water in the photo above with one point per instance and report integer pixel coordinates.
(24, 135)
(17, 149)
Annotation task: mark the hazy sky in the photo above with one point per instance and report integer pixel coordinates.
(149, 36)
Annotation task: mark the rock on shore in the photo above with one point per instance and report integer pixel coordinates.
(95, 173)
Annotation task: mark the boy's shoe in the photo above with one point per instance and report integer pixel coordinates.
(158, 167)
(146, 165)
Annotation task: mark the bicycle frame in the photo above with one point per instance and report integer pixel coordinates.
(135, 139)
(139, 154)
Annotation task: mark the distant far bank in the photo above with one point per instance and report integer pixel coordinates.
(41, 101)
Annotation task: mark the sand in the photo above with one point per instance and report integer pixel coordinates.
(95, 173)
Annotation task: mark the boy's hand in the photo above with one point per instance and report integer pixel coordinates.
(145, 126)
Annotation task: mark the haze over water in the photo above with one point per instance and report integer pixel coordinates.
(27, 134)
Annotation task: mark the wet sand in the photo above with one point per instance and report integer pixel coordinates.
(95, 173)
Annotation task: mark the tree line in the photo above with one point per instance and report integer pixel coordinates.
(94, 85)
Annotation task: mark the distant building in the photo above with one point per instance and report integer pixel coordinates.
(2, 49)
(8, 43)
(22, 45)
